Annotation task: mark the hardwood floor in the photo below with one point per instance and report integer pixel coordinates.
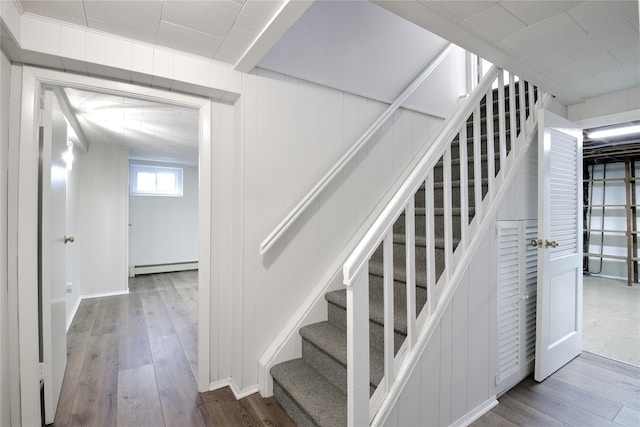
(590, 391)
(132, 359)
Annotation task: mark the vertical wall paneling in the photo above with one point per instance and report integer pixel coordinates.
(409, 403)
(248, 350)
(459, 343)
(479, 327)
(446, 345)
(430, 383)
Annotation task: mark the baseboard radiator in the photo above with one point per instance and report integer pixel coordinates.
(135, 270)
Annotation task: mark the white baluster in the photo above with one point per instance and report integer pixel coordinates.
(477, 163)
(464, 187)
(389, 361)
(502, 131)
(410, 246)
(448, 214)
(491, 164)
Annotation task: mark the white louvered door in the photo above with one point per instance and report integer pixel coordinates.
(559, 308)
(517, 289)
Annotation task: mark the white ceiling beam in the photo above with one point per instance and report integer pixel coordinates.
(67, 110)
(284, 19)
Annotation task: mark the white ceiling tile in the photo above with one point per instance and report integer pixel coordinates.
(620, 77)
(587, 87)
(188, 40)
(531, 12)
(628, 53)
(543, 61)
(238, 39)
(212, 17)
(545, 34)
(493, 23)
(256, 14)
(135, 19)
(64, 10)
(593, 15)
(586, 67)
(600, 41)
(463, 9)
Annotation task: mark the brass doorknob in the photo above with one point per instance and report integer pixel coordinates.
(69, 239)
(535, 243)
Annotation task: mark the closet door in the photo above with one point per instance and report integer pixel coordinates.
(517, 284)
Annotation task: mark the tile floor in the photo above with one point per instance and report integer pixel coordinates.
(611, 319)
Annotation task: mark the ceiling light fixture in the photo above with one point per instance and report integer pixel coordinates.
(611, 132)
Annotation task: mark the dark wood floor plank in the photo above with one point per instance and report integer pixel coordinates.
(107, 317)
(605, 363)
(267, 412)
(522, 414)
(603, 386)
(588, 400)
(491, 419)
(558, 409)
(181, 403)
(624, 378)
(77, 343)
(96, 398)
(138, 399)
(134, 347)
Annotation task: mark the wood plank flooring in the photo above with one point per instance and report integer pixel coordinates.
(590, 391)
(132, 361)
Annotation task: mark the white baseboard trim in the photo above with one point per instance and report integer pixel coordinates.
(162, 268)
(73, 313)
(228, 382)
(476, 412)
(104, 294)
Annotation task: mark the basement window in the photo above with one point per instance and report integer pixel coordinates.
(149, 180)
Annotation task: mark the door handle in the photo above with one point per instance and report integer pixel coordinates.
(552, 244)
(535, 243)
(69, 239)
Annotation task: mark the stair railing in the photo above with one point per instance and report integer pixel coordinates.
(360, 408)
(328, 177)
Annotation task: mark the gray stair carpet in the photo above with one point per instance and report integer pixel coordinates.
(312, 389)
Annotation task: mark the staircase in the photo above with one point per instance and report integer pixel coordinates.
(313, 389)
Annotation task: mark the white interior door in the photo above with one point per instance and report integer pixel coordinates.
(559, 306)
(53, 173)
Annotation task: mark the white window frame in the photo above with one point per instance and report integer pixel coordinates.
(135, 168)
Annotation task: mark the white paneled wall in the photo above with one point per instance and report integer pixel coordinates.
(614, 218)
(102, 219)
(164, 230)
(294, 131)
(5, 71)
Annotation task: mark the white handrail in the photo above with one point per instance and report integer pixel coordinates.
(308, 199)
(364, 250)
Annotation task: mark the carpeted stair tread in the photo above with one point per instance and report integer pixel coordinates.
(316, 396)
(333, 341)
(376, 302)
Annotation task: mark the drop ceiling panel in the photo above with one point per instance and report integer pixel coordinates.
(530, 12)
(493, 22)
(257, 14)
(604, 39)
(212, 17)
(462, 9)
(69, 11)
(134, 19)
(594, 15)
(585, 67)
(545, 34)
(185, 39)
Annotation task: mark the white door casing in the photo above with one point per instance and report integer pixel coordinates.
(26, 85)
(559, 243)
(53, 171)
